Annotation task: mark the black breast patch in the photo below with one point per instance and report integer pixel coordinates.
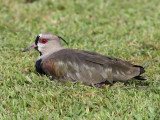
(38, 67)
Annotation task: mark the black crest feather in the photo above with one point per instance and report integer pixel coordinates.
(63, 39)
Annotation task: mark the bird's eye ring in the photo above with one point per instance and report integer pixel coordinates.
(43, 41)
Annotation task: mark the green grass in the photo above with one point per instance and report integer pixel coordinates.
(126, 29)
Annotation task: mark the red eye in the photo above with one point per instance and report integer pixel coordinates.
(43, 41)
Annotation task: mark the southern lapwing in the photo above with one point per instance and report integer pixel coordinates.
(91, 68)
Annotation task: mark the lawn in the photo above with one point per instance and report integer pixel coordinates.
(126, 29)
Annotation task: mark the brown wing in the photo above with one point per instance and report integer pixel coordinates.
(121, 70)
(87, 67)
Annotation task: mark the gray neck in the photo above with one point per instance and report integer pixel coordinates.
(48, 52)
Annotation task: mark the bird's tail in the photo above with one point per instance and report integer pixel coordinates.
(140, 78)
(142, 70)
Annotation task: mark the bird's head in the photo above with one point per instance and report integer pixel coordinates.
(46, 43)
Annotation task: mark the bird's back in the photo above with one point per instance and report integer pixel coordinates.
(87, 67)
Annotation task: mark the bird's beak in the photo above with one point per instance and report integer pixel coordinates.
(30, 47)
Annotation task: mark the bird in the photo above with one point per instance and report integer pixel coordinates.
(91, 68)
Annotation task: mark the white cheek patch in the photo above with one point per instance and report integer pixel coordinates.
(40, 46)
(40, 35)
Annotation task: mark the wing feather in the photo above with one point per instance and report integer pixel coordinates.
(87, 67)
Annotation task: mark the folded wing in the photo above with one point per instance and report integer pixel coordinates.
(87, 67)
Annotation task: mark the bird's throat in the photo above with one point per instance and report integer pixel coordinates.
(47, 53)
